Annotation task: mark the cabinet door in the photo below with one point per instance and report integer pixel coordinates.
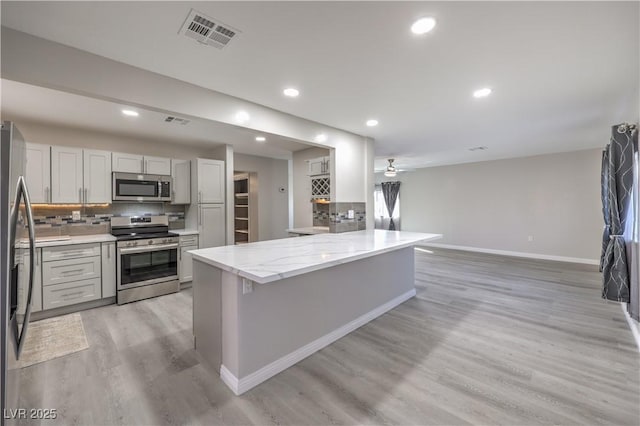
(211, 181)
(327, 169)
(181, 174)
(38, 172)
(157, 166)
(316, 166)
(211, 225)
(66, 175)
(186, 264)
(108, 269)
(97, 176)
(126, 163)
(23, 282)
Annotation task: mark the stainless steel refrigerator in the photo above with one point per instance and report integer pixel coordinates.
(15, 208)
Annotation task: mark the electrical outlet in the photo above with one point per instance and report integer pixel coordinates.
(351, 214)
(75, 215)
(530, 238)
(247, 286)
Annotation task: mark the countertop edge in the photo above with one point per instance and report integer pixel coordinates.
(317, 267)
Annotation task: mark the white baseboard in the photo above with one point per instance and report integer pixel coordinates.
(516, 254)
(633, 325)
(240, 386)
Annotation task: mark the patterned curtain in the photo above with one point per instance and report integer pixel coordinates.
(390, 191)
(617, 185)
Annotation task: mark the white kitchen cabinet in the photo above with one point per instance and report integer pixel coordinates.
(38, 172)
(71, 274)
(23, 281)
(185, 271)
(97, 176)
(108, 270)
(211, 181)
(127, 163)
(157, 166)
(66, 175)
(181, 174)
(211, 225)
(319, 166)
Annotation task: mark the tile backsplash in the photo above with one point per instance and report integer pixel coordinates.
(320, 214)
(52, 220)
(339, 220)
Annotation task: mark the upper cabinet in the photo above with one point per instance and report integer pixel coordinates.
(127, 163)
(157, 166)
(319, 166)
(211, 181)
(131, 163)
(97, 176)
(38, 172)
(66, 175)
(181, 174)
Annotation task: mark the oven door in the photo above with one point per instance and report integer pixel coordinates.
(138, 266)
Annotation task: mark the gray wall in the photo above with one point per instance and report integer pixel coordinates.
(302, 207)
(273, 206)
(498, 204)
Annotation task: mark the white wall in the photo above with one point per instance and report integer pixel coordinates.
(302, 207)
(33, 60)
(273, 205)
(498, 204)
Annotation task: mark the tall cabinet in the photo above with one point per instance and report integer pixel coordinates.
(210, 185)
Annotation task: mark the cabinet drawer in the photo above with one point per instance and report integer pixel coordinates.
(68, 252)
(188, 240)
(55, 296)
(64, 271)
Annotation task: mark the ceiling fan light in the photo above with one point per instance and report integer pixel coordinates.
(390, 173)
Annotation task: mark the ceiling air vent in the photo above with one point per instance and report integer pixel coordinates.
(177, 120)
(207, 30)
(479, 148)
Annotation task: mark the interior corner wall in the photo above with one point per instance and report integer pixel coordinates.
(273, 205)
(498, 205)
(302, 207)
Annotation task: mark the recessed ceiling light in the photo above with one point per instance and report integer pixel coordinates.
(291, 92)
(260, 139)
(423, 25)
(372, 123)
(321, 137)
(481, 93)
(242, 117)
(130, 113)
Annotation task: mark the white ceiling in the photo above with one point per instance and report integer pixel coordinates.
(562, 72)
(33, 103)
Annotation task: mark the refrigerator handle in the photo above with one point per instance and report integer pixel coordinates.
(22, 192)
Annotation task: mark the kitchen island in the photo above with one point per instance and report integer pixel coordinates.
(260, 308)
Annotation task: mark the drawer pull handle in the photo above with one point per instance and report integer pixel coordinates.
(72, 271)
(69, 295)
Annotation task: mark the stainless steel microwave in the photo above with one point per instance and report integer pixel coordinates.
(141, 187)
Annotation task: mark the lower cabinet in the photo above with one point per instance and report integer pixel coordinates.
(23, 281)
(185, 269)
(75, 278)
(108, 269)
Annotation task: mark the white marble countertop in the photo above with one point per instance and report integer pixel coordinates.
(184, 231)
(67, 241)
(268, 261)
(309, 230)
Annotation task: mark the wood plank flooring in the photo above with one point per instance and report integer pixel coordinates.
(488, 340)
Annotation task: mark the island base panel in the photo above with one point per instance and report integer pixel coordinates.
(207, 313)
(280, 323)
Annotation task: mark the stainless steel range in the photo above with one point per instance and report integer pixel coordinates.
(147, 263)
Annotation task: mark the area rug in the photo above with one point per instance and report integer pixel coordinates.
(52, 338)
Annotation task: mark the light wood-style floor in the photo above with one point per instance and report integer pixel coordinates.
(488, 340)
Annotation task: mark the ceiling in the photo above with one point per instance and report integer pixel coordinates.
(561, 72)
(33, 103)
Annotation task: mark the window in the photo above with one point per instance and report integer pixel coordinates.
(380, 210)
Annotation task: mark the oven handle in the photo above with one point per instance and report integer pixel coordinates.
(147, 248)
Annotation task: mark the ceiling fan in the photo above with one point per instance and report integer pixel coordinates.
(391, 170)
